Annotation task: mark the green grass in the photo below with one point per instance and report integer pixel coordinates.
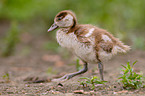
(11, 40)
(6, 77)
(91, 81)
(78, 66)
(129, 78)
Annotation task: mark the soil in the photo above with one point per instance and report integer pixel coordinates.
(29, 72)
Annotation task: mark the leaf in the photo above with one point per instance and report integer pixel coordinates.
(97, 82)
(124, 66)
(134, 63)
(130, 79)
(126, 71)
(128, 66)
(104, 81)
(88, 82)
(95, 77)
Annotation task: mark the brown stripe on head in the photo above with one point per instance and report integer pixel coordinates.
(60, 16)
(63, 13)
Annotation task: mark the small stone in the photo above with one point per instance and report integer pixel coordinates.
(59, 84)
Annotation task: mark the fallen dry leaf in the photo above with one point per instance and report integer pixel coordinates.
(79, 91)
(91, 92)
(119, 92)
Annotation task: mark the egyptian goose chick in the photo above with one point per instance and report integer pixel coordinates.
(89, 43)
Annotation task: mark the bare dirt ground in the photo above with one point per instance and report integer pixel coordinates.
(31, 62)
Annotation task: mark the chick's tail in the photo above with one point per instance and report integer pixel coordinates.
(120, 47)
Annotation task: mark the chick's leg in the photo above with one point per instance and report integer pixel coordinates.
(100, 65)
(68, 76)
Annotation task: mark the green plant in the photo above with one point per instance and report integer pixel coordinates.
(6, 77)
(129, 78)
(11, 40)
(78, 66)
(91, 81)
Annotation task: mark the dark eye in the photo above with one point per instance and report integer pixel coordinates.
(59, 18)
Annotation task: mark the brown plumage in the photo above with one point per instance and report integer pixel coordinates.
(90, 43)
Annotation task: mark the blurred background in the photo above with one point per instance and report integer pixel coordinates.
(24, 23)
